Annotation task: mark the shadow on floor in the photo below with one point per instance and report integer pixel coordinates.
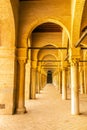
(83, 114)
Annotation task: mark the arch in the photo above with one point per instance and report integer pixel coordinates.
(52, 55)
(45, 20)
(7, 24)
(41, 53)
(7, 57)
(76, 26)
(35, 53)
(84, 17)
(48, 58)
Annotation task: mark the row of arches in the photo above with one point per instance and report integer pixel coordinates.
(23, 55)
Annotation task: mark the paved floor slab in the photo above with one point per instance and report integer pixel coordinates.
(47, 112)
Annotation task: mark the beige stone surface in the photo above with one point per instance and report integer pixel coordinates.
(47, 112)
(33, 13)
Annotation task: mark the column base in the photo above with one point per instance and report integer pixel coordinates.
(64, 98)
(33, 98)
(75, 114)
(21, 110)
(37, 92)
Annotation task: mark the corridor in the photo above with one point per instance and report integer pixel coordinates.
(47, 112)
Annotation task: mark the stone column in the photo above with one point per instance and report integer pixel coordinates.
(33, 83)
(27, 80)
(81, 81)
(38, 82)
(85, 78)
(74, 88)
(68, 78)
(60, 81)
(54, 79)
(33, 79)
(57, 80)
(21, 87)
(64, 84)
(43, 80)
(85, 71)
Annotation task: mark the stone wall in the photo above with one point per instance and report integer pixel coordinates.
(8, 18)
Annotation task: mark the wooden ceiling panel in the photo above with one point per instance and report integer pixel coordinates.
(48, 27)
(29, 0)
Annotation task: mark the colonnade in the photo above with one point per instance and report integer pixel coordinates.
(62, 76)
(35, 80)
(71, 76)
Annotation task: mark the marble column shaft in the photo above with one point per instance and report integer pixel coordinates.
(74, 89)
(60, 82)
(33, 83)
(64, 84)
(21, 87)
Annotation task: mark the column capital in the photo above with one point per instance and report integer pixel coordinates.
(65, 64)
(59, 69)
(21, 54)
(74, 61)
(28, 63)
(21, 61)
(33, 64)
(39, 68)
(74, 53)
(74, 56)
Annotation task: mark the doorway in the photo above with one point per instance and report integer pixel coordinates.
(49, 77)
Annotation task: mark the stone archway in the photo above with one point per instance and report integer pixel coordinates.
(7, 58)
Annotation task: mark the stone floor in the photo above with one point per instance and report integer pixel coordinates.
(47, 112)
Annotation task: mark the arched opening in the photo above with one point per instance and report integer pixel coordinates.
(49, 76)
(48, 27)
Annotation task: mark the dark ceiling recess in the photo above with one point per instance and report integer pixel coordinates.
(29, 0)
(48, 27)
(24, 0)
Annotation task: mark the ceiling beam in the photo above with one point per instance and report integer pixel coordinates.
(63, 48)
(49, 60)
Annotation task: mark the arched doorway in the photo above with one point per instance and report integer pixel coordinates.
(49, 76)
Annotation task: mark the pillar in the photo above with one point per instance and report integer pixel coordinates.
(54, 80)
(21, 87)
(43, 80)
(64, 84)
(85, 78)
(33, 80)
(60, 81)
(81, 82)
(33, 83)
(74, 88)
(57, 80)
(68, 78)
(38, 81)
(27, 80)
